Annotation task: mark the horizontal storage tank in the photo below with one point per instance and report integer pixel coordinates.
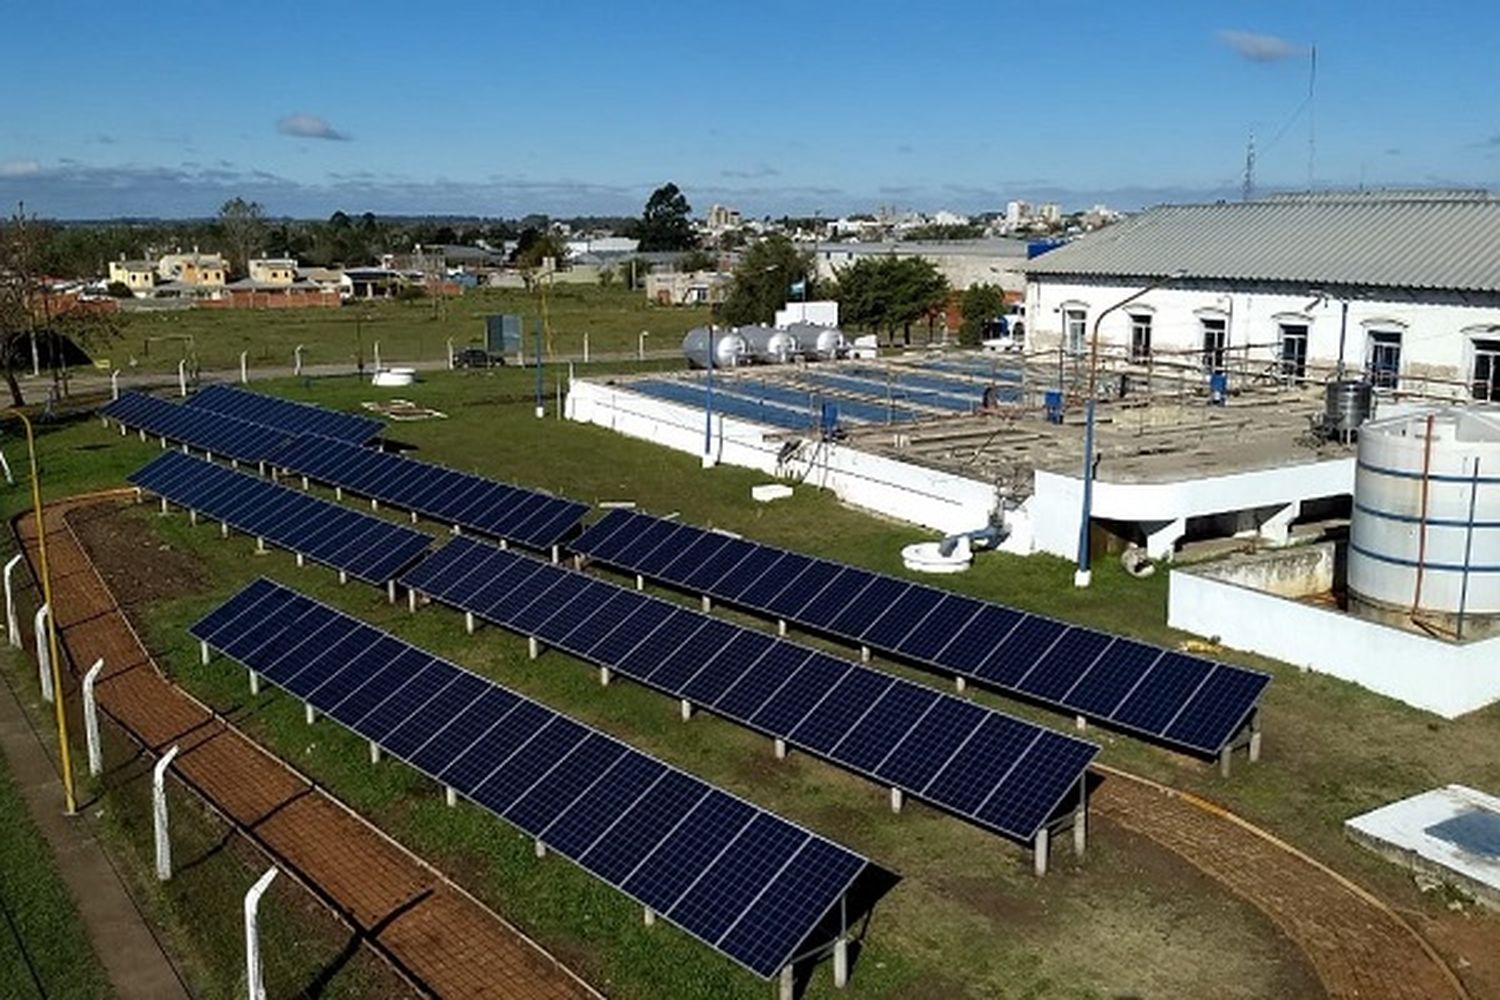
(769, 346)
(1424, 540)
(821, 343)
(729, 348)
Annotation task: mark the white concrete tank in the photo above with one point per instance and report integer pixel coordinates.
(1425, 534)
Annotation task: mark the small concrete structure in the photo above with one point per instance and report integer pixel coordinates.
(1451, 834)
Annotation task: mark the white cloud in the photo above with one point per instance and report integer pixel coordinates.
(1262, 48)
(305, 126)
(19, 168)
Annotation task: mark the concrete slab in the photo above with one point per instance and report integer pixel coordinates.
(1450, 833)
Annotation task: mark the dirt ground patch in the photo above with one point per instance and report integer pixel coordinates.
(138, 567)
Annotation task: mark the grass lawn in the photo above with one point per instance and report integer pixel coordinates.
(967, 917)
(44, 949)
(407, 331)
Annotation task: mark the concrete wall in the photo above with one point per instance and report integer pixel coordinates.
(1447, 678)
(1437, 330)
(932, 499)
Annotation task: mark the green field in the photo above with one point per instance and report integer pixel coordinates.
(406, 331)
(967, 917)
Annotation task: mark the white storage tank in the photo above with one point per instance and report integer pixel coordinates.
(823, 343)
(768, 345)
(728, 346)
(1424, 540)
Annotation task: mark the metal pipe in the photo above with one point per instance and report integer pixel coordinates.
(1463, 588)
(1416, 597)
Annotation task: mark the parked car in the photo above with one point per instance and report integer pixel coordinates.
(475, 357)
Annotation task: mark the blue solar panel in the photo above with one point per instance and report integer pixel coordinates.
(206, 431)
(283, 414)
(363, 546)
(528, 517)
(812, 700)
(1080, 670)
(707, 861)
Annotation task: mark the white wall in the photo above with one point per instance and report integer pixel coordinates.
(1436, 333)
(1447, 678)
(913, 493)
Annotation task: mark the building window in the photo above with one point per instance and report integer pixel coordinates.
(1383, 359)
(1077, 322)
(1484, 385)
(1293, 352)
(1215, 342)
(1140, 336)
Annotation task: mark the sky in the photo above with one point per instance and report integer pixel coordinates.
(504, 108)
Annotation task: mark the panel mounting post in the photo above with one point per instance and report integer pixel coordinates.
(685, 708)
(413, 517)
(338, 493)
(1255, 734)
(203, 653)
(1041, 844)
(1224, 760)
(786, 983)
(450, 795)
(540, 848)
(841, 948)
(343, 576)
(374, 504)
(254, 683)
(1081, 817)
(781, 626)
(1080, 723)
(374, 752)
(309, 713)
(192, 516)
(305, 485)
(778, 746)
(260, 546)
(164, 508)
(411, 601)
(640, 582)
(648, 917)
(533, 648)
(604, 676)
(301, 560)
(708, 603)
(556, 555)
(390, 590)
(959, 684)
(223, 529)
(469, 622)
(864, 654)
(898, 799)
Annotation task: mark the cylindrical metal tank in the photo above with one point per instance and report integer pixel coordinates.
(728, 346)
(768, 345)
(824, 343)
(1346, 405)
(1424, 540)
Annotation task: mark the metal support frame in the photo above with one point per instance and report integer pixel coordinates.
(159, 813)
(91, 719)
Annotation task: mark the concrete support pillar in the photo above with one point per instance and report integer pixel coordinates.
(457, 530)
(864, 654)
(540, 849)
(1162, 537)
(781, 626)
(604, 676)
(648, 917)
(1041, 845)
(162, 442)
(411, 601)
(203, 653)
(533, 647)
(1080, 723)
(841, 963)
(343, 576)
(640, 582)
(778, 746)
(786, 983)
(223, 529)
(1224, 761)
(1277, 529)
(685, 708)
(1255, 736)
(469, 622)
(309, 713)
(898, 799)
(504, 545)
(234, 464)
(374, 504)
(338, 493)
(260, 546)
(1081, 818)
(959, 683)
(254, 683)
(142, 432)
(450, 796)
(390, 591)
(301, 559)
(556, 555)
(192, 516)
(707, 603)
(305, 485)
(164, 508)
(374, 752)
(413, 517)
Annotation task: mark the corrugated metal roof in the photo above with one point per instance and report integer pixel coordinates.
(1401, 240)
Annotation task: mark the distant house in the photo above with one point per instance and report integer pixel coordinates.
(273, 270)
(194, 270)
(137, 275)
(275, 283)
(677, 288)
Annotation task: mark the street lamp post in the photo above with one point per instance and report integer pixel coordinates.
(1083, 575)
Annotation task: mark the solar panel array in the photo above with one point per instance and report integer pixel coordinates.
(1182, 700)
(744, 881)
(297, 418)
(999, 772)
(529, 517)
(201, 429)
(366, 547)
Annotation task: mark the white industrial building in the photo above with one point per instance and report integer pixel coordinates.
(1404, 286)
(962, 262)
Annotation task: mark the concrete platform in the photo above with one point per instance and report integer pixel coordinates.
(1452, 834)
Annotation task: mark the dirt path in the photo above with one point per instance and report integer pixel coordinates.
(1358, 947)
(440, 938)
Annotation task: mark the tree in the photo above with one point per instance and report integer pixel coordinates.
(534, 246)
(890, 292)
(37, 323)
(697, 260)
(763, 280)
(665, 224)
(981, 306)
(243, 226)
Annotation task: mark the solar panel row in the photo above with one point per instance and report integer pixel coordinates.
(744, 881)
(1001, 773)
(201, 429)
(1185, 701)
(529, 517)
(366, 547)
(283, 414)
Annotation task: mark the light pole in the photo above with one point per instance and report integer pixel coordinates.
(1083, 575)
(64, 751)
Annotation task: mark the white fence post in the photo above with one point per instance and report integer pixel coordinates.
(114, 384)
(91, 719)
(10, 479)
(450, 353)
(182, 377)
(244, 367)
(585, 347)
(640, 346)
(297, 360)
(43, 661)
(255, 976)
(377, 355)
(159, 810)
(12, 627)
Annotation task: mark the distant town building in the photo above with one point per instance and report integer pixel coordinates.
(193, 270)
(962, 262)
(1017, 213)
(678, 288)
(273, 270)
(722, 217)
(1050, 213)
(137, 275)
(1400, 287)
